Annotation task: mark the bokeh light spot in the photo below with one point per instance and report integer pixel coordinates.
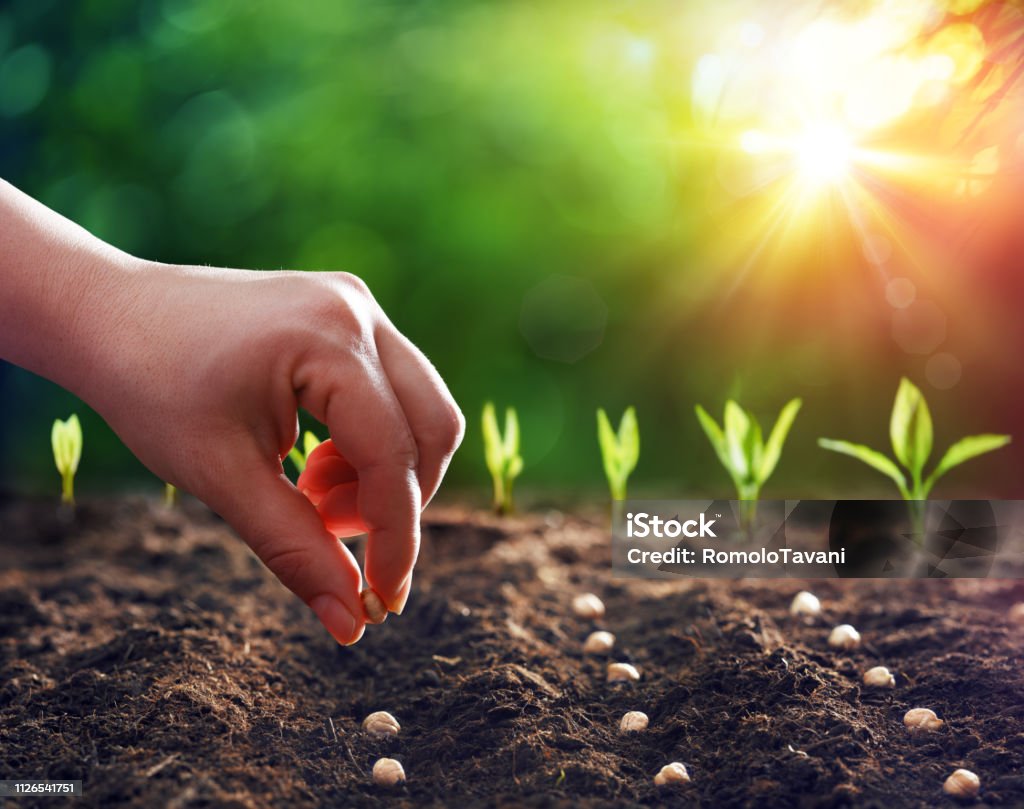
(919, 328)
(24, 80)
(943, 371)
(900, 292)
(563, 318)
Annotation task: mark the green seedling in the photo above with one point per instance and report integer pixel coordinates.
(298, 456)
(170, 496)
(619, 451)
(66, 438)
(910, 430)
(501, 453)
(746, 456)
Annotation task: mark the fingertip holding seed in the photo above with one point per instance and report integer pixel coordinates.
(633, 722)
(962, 784)
(381, 723)
(805, 604)
(588, 606)
(599, 643)
(844, 636)
(879, 677)
(374, 607)
(388, 772)
(674, 773)
(622, 673)
(921, 720)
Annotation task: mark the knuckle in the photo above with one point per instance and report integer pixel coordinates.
(291, 565)
(448, 428)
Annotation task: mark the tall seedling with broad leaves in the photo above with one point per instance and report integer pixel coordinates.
(66, 439)
(742, 450)
(501, 453)
(620, 450)
(910, 430)
(298, 456)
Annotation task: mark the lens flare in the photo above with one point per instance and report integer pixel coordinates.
(823, 154)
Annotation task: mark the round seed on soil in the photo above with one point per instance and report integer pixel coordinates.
(622, 672)
(387, 772)
(844, 636)
(381, 723)
(588, 606)
(879, 677)
(1016, 613)
(375, 609)
(599, 643)
(962, 784)
(674, 773)
(806, 604)
(918, 720)
(633, 722)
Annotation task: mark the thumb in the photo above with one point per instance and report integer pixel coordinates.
(284, 530)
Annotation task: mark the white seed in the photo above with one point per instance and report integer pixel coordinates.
(588, 606)
(599, 643)
(1016, 613)
(844, 636)
(622, 672)
(674, 773)
(376, 610)
(381, 723)
(633, 722)
(387, 772)
(805, 603)
(879, 677)
(962, 784)
(921, 720)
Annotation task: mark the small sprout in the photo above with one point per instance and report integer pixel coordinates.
(619, 451)
(375, 609)
(962, 784)
(1016, 613)
(674, 773)
(381, 723)
(387, 772)
(170, 496)
(501, 452)
(918, 720)
(588, 606)
(910, 430)
(599, 643)
(844, 636)
(622, 673)
(742, 450)
(633, 722)
(66, 438)
(298, 457)
(806, 604)
(879, 677)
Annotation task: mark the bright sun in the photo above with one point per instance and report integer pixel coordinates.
(823, 154)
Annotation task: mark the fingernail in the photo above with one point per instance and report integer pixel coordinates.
(337, 619)
(399, 601)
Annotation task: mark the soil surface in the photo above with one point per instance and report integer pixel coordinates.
(147, 653)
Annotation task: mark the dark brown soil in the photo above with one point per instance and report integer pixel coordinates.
(148, 653)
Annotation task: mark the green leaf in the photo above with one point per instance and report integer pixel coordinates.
(66, 440)
(510, 446)
(777, 439)
(963, 450)
(298, 459)
(610, 454)
(910, 428)
(629, 441)
(873, 458)
(310, 442)
(493, 447)
(737, 427)
(715, 436)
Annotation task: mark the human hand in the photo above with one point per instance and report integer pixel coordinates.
(201, 372)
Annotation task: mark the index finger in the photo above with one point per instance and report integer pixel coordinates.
(370, 429)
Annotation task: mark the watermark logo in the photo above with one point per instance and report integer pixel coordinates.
(642, 525)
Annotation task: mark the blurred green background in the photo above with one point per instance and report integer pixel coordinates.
(529, 189)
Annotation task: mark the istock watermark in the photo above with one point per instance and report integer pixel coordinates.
(819, 539)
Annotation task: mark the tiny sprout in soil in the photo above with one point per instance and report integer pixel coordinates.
(170, 496)
(619, 451)
(501, 452)
(742, 450)
(298, 456)
(66, 438)
(910, 430)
